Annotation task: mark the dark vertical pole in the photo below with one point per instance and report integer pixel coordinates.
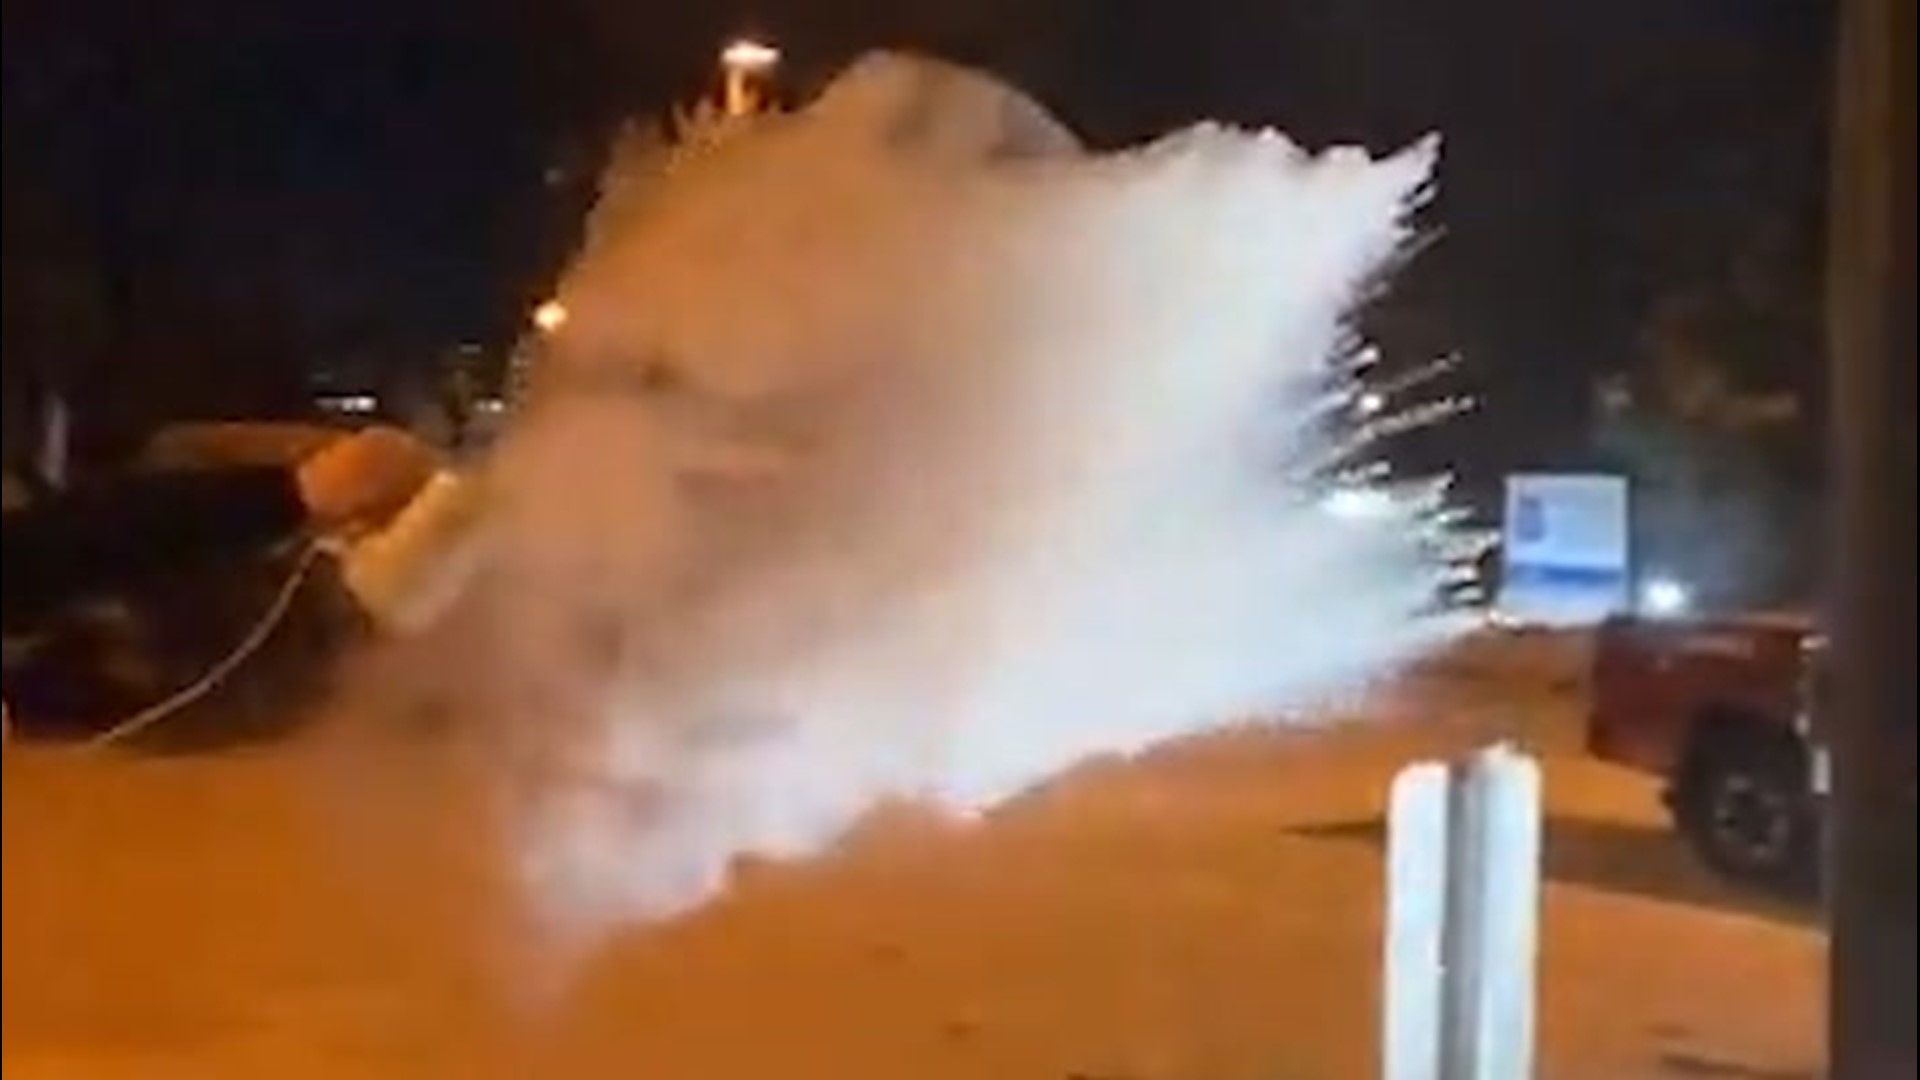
(1870, 321)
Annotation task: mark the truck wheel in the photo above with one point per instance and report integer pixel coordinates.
(1743, 802)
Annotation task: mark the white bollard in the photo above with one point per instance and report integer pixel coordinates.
(1416, 906)
(1463, 899)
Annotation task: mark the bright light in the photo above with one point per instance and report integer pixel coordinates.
(748, 55)
(1371, 402)
(1664, 597)
(550, 316)
(350, 404)
(1356, 503)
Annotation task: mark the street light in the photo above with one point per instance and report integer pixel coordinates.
(1665, 598)
(749, 55)
(550, 316)
(743, 62)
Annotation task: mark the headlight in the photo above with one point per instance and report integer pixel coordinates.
(1664, 597)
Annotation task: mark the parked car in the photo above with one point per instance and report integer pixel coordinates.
(1724, 710)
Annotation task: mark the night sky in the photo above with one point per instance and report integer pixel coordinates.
(373, 176)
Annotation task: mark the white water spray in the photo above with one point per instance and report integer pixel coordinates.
(896, 447)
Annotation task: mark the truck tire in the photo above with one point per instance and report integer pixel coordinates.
(1744, 803)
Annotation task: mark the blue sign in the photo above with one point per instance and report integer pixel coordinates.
(1529, 519)
(1564, 556)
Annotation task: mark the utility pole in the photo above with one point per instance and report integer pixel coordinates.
(1870, 313)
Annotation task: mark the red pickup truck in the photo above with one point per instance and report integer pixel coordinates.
(1723, 709)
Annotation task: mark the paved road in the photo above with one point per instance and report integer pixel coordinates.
(1208, 912)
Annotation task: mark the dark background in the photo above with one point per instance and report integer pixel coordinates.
(205, 200)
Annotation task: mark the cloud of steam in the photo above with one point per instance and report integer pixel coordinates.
(897, 447)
